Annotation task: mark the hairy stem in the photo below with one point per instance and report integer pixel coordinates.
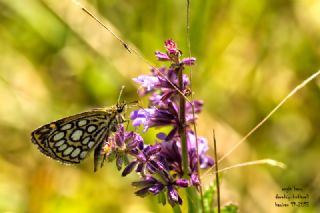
(182, 125)
(191, 197)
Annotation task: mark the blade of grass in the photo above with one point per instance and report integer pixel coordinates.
(296, 89)
(270, 162)
(217, 174)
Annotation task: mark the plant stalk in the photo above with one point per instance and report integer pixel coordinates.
(191, 197)
(182, 125)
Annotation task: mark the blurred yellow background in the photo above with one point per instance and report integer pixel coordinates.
(56, 61)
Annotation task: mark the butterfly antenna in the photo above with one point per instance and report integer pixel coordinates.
(122, 88)
(133, 103)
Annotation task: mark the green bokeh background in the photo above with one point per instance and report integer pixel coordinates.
(56, 61)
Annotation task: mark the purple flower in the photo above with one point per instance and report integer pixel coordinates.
(172, 52)
(147, 160)
(121, 144)
(171, 47)
(154, 186)
(149, 182)
(160, 164)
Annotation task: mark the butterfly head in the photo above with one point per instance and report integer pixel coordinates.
(121, 107)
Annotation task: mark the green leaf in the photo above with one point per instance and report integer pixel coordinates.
(162, 198)
(208, 199)
(230, 208)
(111, 157)
(193, 200)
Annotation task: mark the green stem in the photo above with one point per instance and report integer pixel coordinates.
(176, 209)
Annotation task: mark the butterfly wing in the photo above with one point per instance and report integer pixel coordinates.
(71, 139)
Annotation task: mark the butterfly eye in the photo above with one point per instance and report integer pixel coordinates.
(119, 109)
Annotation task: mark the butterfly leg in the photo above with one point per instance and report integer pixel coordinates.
(104, 155)
(103, 159)
(121, 119)
(97, 156)
(128, 122)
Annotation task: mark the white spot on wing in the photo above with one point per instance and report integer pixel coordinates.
(66, 126)
(86, 140)
(76, 135)
(58, 136)
(90, 145)
(82, 122)
(59, 143)
(91, 128)
(44, 129)
(68, 150)
(76, 152)
(62, 147)
(83, 154)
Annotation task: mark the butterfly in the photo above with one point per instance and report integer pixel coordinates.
(71, 139)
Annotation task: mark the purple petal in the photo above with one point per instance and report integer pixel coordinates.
(161, 136)
(189, 61)
(119, 140)
(119, 162)
(141, 145)
(136, 141)
(142, 117)
(129, 168)
(141, 157)
(171, 46)
(198, 104)
(152, 149)
(195, 179)
(152, 167)
(162, 56)
(206, 162)
(148, 82)
(147, 181)
(170, 151)
(172, 133)
(202, 143)
(127, 136)
(155, 99)
(173, 196)
(162, 165)
(142, 192)
(134, 152)
(140, 168)
(182, 182)
(138, 122)
(156, 188)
